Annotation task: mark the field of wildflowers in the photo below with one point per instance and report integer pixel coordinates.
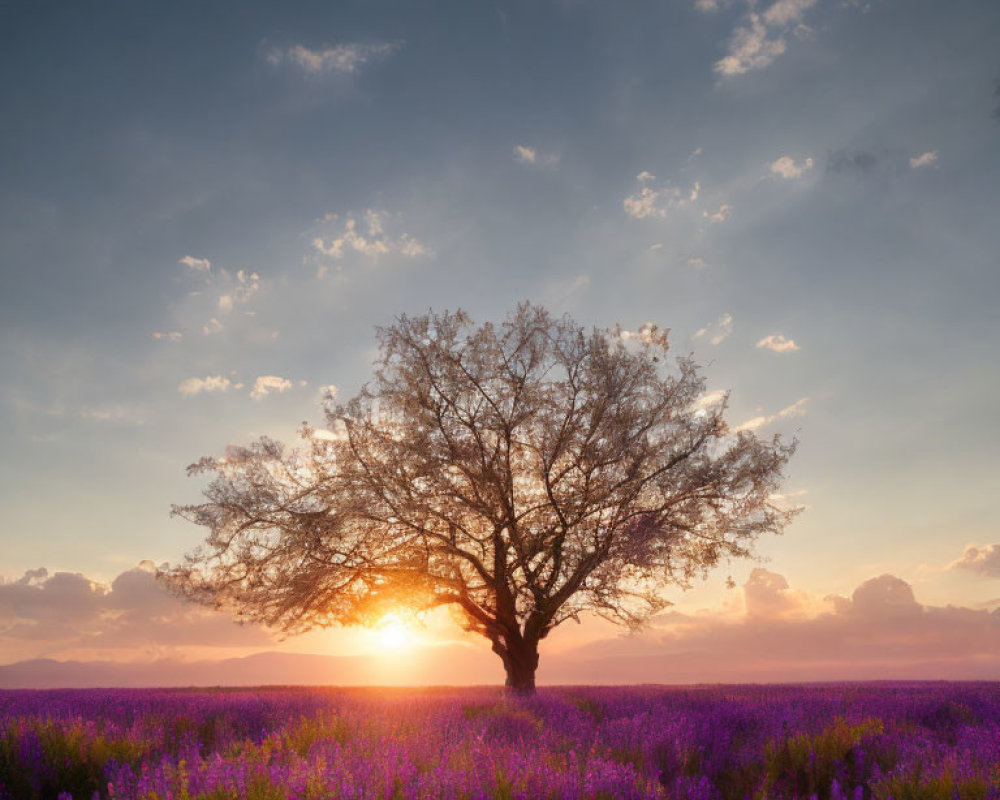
(899, 741)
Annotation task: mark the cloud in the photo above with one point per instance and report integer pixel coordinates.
(371, 241)
(529, 155)
(773, 632)
(759, 39)
(750, 47)
(788, 169)
(718, 332)
(924, 159)
(796, 409)
(648, 202)
(266, 384)
(697, 262)
(342, 58)
(642, 204)
(212, 326)
(649, 333)
(718, 216)
(65, 613)
(243, 286)
(170, 336)
(984, 561)
(786, 12)
(196, 264)
(209, 384)
(778, 343)
(709, 400)
(526, 155)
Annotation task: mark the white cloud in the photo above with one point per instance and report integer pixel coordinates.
(197, 264)
(244, 286)
(266, 384)
(534, 157)
(411, 248)
(796, 409)
(759, 39)
(642, 204)
(210, 384)
(750, 47)
(697, 263)
(718, 332)
(924, 159)
(706, 6)
(778, 343)
(718, 216)
(648, 202)
(984, 561)
(786, 12)
(170, 336)
(649, 333)
(526, 155)
(212, 326)
(788, 169)
(709, 399)
(371, 242)
(344, 58)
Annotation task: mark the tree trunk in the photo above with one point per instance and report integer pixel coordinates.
(520, 661)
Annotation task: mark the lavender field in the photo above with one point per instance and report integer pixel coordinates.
(896, 741)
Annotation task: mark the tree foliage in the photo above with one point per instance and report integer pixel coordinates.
(522, 474)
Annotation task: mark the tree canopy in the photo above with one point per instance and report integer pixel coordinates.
(521, 473)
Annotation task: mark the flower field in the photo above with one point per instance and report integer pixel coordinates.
(900, 741)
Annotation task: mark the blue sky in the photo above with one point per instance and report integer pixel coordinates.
(195, 197)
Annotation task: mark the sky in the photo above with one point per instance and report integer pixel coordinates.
(206, 210)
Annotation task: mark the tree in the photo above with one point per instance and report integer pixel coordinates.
(521, 474)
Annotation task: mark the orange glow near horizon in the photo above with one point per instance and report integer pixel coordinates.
(393, 634)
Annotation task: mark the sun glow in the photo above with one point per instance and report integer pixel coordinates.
(393, 633)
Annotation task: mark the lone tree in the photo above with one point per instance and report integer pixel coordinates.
(521, 474)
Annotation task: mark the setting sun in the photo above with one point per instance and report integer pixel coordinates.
(394, 634)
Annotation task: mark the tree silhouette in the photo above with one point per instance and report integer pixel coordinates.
(520, 473)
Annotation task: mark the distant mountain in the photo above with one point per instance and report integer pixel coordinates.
(451, 664)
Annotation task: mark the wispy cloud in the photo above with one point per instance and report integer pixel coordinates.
(533, 157)
(170, 336)
(924, 159)
(344, 58)
(244, 285)
(721, 215)
(648, 202)
(778, 343)
(718, 332)
(265, 384)
(796, 409)
(370, 241)
(197, 264)
(526, 155)
(212, 326)
(984, 561)
(760, 37)
(209, 384)
(787, 168)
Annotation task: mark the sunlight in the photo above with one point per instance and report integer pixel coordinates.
(394, 634)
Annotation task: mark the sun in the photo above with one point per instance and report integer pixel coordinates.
(393, 633)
